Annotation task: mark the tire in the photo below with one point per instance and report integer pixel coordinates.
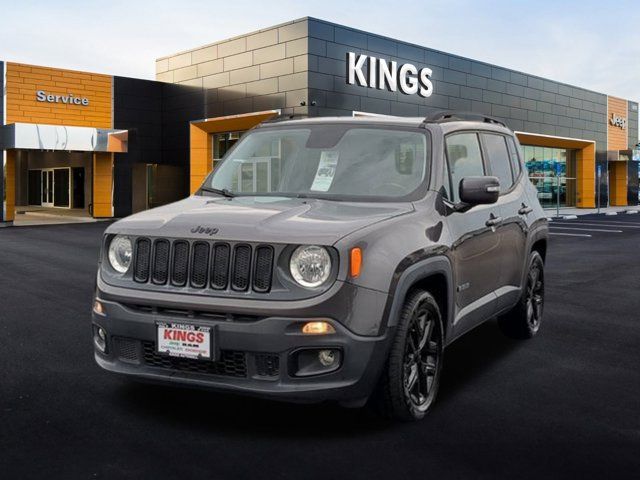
(409, 382)
(524, 320)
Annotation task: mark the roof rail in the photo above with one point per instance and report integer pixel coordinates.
(285, 117)
(452, 116)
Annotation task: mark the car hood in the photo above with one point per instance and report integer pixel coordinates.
(258, 219)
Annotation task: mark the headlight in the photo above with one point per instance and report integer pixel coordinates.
(120, 253)
(310, 265)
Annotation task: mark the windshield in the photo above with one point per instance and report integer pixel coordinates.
(326, 161)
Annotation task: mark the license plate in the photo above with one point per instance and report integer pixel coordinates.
(184, 340)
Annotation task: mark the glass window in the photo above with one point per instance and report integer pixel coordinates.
(465, 159)
(498, 160)
(326, 161)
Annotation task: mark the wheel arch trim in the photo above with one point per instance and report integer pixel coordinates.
(414, 273)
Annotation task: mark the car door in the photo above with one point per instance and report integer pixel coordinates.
(503, 162)
(475, 244)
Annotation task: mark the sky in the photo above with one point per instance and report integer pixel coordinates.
(595, 45)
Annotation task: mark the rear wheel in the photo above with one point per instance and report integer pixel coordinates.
(524, 320)
(411, 377)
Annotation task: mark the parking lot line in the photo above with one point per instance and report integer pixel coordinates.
(570, 234)
(586, 229)
(597, 224)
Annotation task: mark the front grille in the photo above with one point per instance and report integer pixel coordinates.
(180, 263)
(220, 266)
(161, 253)
(127, 349)
(267, 364)
(204, 265)
(142, 263)
(200, 265)
(231, 363)
(241, 268)
(263, 268)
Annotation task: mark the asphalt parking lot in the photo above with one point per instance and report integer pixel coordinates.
(564, 405)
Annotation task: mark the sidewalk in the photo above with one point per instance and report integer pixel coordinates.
(30, 216)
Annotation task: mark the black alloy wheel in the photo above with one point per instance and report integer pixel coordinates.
(409, 382)
(525, 318)
(421, 357)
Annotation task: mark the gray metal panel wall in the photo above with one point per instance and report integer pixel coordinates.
(262, 70)
(632, 123)
(181, 104)
(526, 102)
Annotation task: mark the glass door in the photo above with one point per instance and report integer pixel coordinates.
(55, 187)
(47, 188)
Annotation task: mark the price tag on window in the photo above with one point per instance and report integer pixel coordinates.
(326, 171)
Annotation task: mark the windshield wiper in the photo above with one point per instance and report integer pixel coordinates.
(220, 191)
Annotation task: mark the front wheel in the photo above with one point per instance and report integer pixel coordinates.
(524, 320)
(410, 380)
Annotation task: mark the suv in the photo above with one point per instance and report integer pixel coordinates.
(328, 259)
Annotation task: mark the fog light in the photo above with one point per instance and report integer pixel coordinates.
(311, 361)
(327, 357)
(98, 308)
(100, 338)
(318, 328)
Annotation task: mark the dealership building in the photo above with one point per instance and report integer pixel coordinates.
(108, 146)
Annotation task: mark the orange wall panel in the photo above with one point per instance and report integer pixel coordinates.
(200, 163)
(23, 81)
(618, 183)
(617, 138)
(103, 185)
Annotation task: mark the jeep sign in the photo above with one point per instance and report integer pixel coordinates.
(69, 99)
(381, 74)
(618, 121)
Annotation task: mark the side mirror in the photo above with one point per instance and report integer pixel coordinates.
(479, 190)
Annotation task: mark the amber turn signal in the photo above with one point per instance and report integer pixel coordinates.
(356, 262)
(98, 308)
(318, 328)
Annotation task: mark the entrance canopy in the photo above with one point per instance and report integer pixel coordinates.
(585, 162)
(32, 136)
(234, 123)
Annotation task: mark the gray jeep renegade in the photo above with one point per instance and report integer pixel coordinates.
(328, 259)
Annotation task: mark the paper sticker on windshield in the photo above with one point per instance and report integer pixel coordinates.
(326, 171)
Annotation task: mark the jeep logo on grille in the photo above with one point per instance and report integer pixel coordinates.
(205, 230)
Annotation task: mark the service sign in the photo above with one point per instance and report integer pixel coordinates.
(373, 72)
(68, 99)
(183, 340)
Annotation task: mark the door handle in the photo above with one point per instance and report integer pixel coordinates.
(493, 221)
(525, 210)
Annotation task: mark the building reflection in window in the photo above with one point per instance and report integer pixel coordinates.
(545, 165)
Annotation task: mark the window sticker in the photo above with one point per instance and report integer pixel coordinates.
(326, 171)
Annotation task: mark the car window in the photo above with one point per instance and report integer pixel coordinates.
(499, 160)
(465, 159)
(326, 161)
(515, 160)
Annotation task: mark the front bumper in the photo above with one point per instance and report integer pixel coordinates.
(251, 357)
